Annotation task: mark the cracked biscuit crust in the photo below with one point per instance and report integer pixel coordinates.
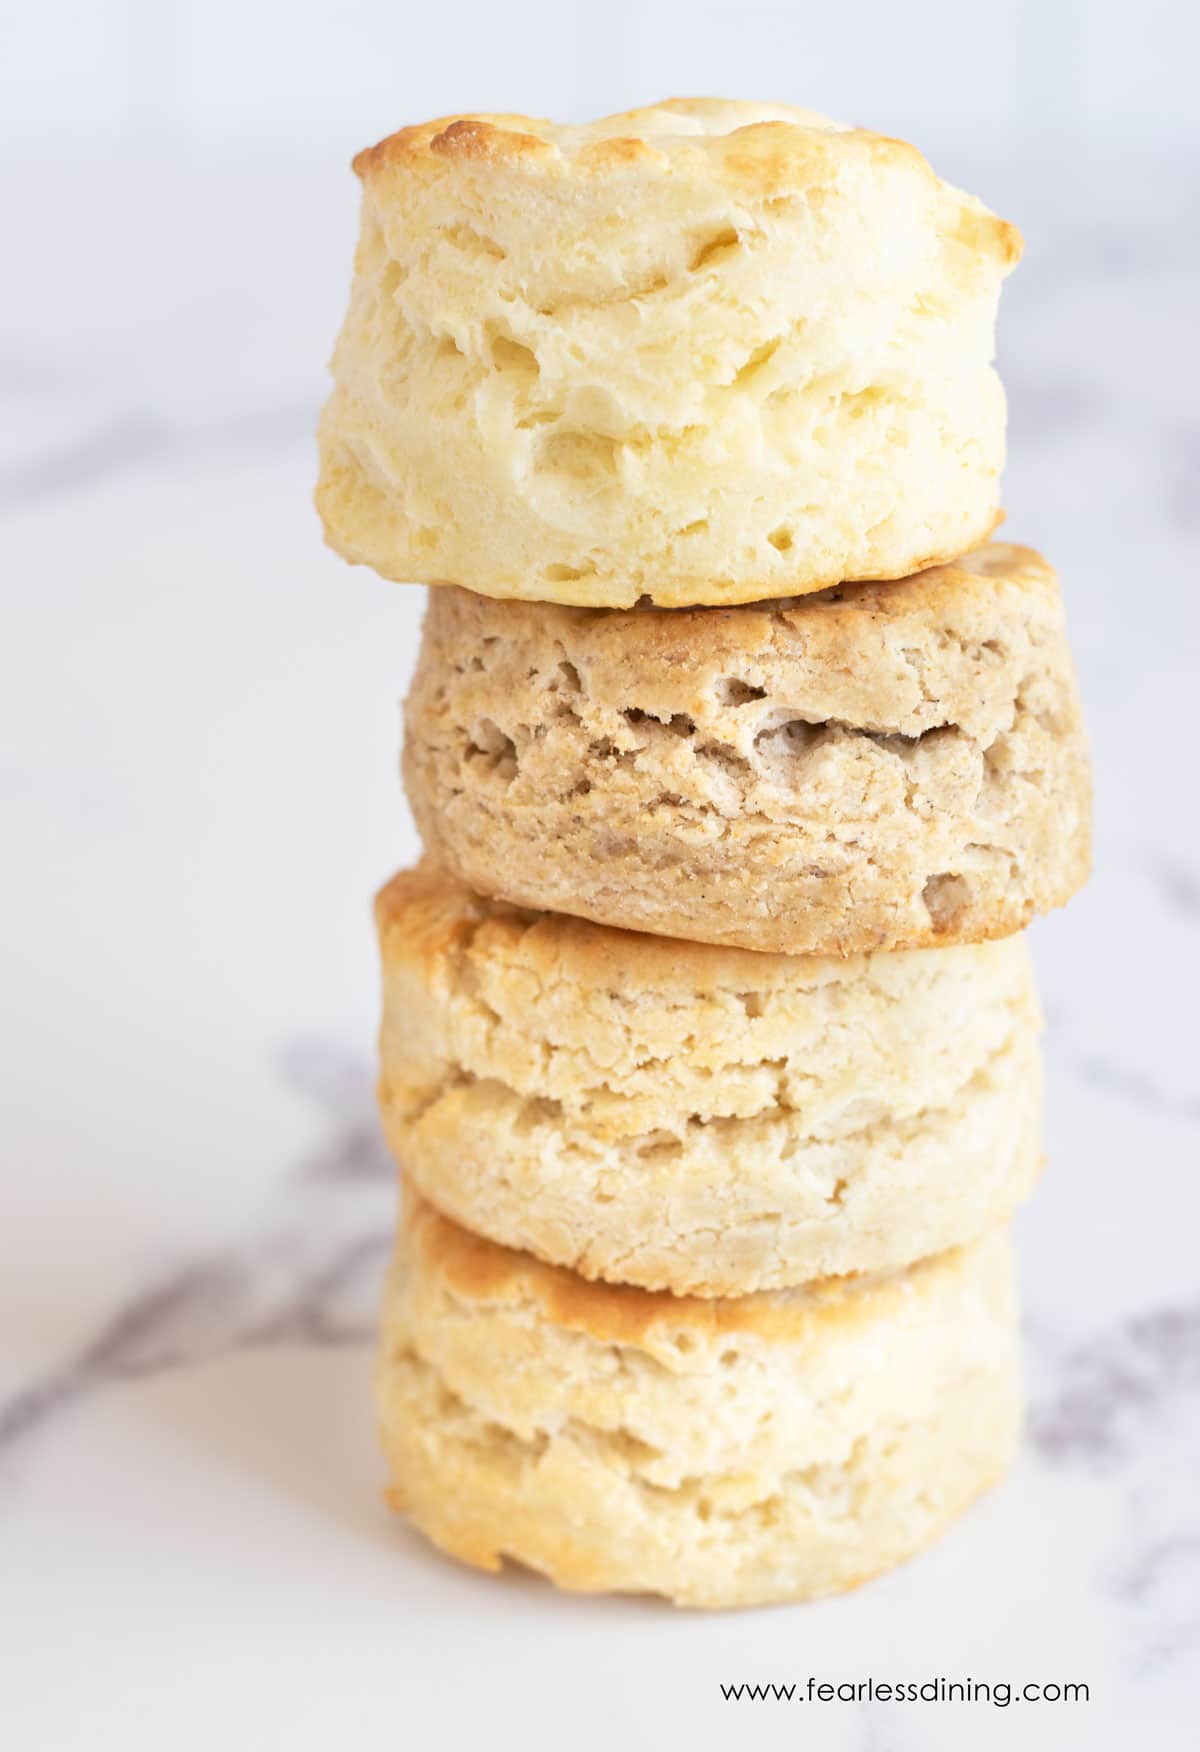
(879, 766)
(700, 1119)
(718, 1453)
(705, 352)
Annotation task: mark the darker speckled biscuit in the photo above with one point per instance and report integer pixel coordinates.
(876, 766)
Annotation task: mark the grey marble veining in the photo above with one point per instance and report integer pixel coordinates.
(310, 1276)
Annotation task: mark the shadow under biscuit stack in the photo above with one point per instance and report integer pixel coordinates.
(709, 1051)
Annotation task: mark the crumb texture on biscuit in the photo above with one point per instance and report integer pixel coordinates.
(876, 766)
(778, 1455)
(698, 1119)
(703, 352)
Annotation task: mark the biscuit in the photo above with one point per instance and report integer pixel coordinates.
(877, 766)
(706, 352)
(701, 1119)
(723, 1453)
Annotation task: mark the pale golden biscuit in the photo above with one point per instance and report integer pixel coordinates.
(879, 766)
(701, 1119)
(707, 352)
(720, 1453)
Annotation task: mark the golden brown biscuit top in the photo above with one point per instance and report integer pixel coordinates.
(752, 135)
(426, 914)
(427, 918)
(835, 614)
(974, 584)
(482, 1271)
(768, 149)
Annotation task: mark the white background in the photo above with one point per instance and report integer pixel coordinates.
(218, 78)
(198, 781)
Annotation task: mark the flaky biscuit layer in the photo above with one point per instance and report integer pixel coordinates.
(699, 1119)
(705, 352)
(721, 1454)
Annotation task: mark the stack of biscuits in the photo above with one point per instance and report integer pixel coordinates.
(741, 759)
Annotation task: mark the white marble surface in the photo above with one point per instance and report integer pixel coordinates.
(198, 779)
